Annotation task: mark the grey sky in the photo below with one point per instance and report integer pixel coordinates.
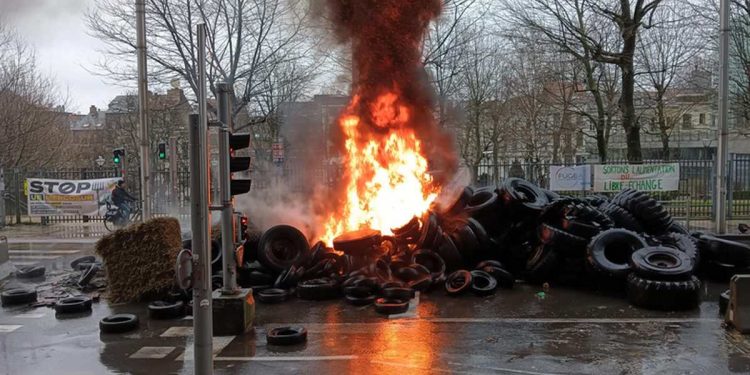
(57, 30)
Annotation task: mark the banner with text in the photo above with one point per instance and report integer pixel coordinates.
(47, 197)
(570, 178)
(645, 177)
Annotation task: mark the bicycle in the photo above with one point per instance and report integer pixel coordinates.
(113, 218)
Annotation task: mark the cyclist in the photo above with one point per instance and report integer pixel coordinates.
(122, 199)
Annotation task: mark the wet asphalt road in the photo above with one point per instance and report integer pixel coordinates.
(512, 332)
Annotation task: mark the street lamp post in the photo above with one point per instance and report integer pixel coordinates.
(722, 152)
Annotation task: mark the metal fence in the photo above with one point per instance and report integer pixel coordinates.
(691, 204)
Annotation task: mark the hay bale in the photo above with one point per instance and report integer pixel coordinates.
(139, 260)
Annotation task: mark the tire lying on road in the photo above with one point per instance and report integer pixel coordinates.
(118, 323)
(88, 274)
(166, 310)
(663, 295)
(12, 297)
(286, 336)
(30, 272)
(87, 259)
(73, 305)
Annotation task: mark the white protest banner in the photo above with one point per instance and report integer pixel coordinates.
(570, 178)
(645, 177)
(47, 197)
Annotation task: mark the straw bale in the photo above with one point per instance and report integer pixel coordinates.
(139, 260)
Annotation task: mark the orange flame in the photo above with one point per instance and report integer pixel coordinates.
(386, 174)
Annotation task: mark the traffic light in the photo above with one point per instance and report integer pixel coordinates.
(162, 150)
(117, 155)
(239, 163)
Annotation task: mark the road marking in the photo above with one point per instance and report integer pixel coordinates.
(289, 359)
(30, 315)
(152, 352)
(503, 369)
(34, 257)
(61, 252)
(572, 320)
(219, 343)
(52, 240)
(8, 328)
(178, 332)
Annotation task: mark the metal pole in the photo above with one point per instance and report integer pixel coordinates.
(173, 171)
(2, 198)
(140, 11)
(201, 221)
(225, 181)
(722, 151)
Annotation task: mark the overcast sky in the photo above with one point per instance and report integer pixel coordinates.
(57, 30)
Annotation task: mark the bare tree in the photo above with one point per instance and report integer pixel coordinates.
(663, 54)
(248, 42)
(33, 127)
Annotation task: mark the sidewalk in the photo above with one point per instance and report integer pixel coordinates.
(77, 232)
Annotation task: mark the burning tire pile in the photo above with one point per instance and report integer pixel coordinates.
(492, 236)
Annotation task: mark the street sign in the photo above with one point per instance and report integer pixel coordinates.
(99, 161)
(644, 177)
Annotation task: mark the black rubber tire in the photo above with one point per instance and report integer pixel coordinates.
(166, 310)
(360, 301)
(17, 296)
(458, 282)
(431, 260)
(620, 244)
(118, 323)
(580, 228)
(429, 232)
(318, 289)
(485, 243)
(482, 206)
(73, 305)
(358, 242)
(422, 284)
(661, 263)
(550, 235)
(722, 272)
(725, 251)
(586, 213)
(542, 263)
(682, 242)
(403, 294)
(251, 245)
(489, 262)
(284, 336)
(87, 259)
(272, 295)
(282, 238)
(460, 203)
(523, 197)
(621, 217)
(723, 302)
(388, 306)
(648, 211)
(551, 195)
(676, 227)
(449, 252)
(30, 272)
(482, 283)
(504, 278)
(87, 275)
(663, 295)
(358, 291)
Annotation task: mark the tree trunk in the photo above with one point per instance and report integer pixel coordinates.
(600, 125)
(627, 107)
(663, 129)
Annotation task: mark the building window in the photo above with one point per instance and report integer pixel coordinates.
(687, 121)
(702, 119)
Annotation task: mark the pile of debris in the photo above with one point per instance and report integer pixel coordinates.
(490, 237)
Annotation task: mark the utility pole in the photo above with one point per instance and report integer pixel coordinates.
(225, 181)
(2, 198)
(173, 179)
(201, 221)
(722, 152)
(140, 13)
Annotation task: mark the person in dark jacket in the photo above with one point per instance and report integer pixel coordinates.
(122, 199)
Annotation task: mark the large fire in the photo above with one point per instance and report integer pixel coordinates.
(388, 128)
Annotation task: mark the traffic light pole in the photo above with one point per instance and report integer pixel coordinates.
(140, 12)
(200, 221)
(225, 180)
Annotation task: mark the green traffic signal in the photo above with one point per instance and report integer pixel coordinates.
(162, 151)
(116, 160)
